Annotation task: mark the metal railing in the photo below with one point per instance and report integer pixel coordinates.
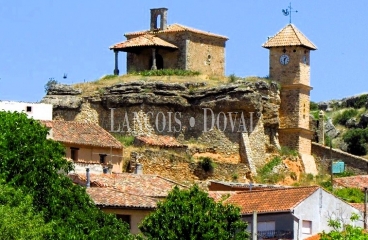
(275, 234)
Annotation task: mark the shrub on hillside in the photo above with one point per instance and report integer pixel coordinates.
(344, 116)
(356, 140)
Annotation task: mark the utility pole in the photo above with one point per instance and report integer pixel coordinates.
(331, 166)
(365, 207)
(254, 226)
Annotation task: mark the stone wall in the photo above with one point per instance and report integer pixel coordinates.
(178, 167)
(358, 165)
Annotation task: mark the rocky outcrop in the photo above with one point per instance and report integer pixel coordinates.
(63, 96)
(259, 97)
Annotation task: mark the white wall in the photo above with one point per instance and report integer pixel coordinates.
(39, 111)
(319, 208)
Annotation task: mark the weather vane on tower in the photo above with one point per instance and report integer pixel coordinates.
(288, 11)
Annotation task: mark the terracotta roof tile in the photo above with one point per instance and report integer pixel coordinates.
(360, 181)
(135, 184)
(220, 195)
(89, 134)
(109, 197)
(175, 28)
(289, 36)
(359, 206)
(272, 200)
(145, 40)
(314, 237)
(157, 140)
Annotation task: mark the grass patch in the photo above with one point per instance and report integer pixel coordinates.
(285, 151)
(126, 140)
(166, 72)
(265, 174)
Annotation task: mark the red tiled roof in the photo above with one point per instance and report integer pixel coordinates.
(108, 197)
(175, 28)
(314, 237)
(145, 40)
(359, 206)
(272, 200)
(89, 134)
(289, 36)
(157, 140)
(360, 181)
(220, 195)
(135, 184)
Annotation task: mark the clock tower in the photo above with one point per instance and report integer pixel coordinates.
(290, 67)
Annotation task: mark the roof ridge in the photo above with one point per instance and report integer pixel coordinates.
(279, 189)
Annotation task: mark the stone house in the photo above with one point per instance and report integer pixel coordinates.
(292, 213)
(172, 47)
(130, 196)
(87, 143)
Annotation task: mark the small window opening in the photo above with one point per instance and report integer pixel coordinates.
(158, 22)
(74, 153)
(29, 109)
(103, 158)
(124, 218)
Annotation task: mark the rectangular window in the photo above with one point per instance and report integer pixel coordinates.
(124, 218)
(307, 227)
(266, 226)
(74, 153)
(103, 158)
(29, 109)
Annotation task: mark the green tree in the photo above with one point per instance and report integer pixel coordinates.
(18, 218)
(51, 82)
(344, 231)
(36, 165)
(191, 214)
(356, 140)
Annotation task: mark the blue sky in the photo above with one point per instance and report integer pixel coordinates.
(45, 39)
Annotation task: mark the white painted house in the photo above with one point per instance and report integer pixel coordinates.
(38, 111)
(292, 213)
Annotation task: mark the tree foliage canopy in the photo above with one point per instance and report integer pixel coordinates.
(349, 232)
(31, 162)
(191, 214)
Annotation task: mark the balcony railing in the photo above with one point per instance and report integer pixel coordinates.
(275, 234)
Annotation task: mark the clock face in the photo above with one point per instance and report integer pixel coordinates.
(284, 59)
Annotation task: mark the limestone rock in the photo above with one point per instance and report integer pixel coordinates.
(62, 89)
(63, 101)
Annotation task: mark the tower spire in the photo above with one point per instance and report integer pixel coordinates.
(288, 11)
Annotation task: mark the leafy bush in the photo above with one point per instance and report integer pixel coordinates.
(352, 195)
(49, 84)
(356, 140)
(344, 116)
(191, 214)
(32, 163)
(206, 164)
(166, 72)
(232, 78)
(313, 106)
(361, 101)
(343, 231)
